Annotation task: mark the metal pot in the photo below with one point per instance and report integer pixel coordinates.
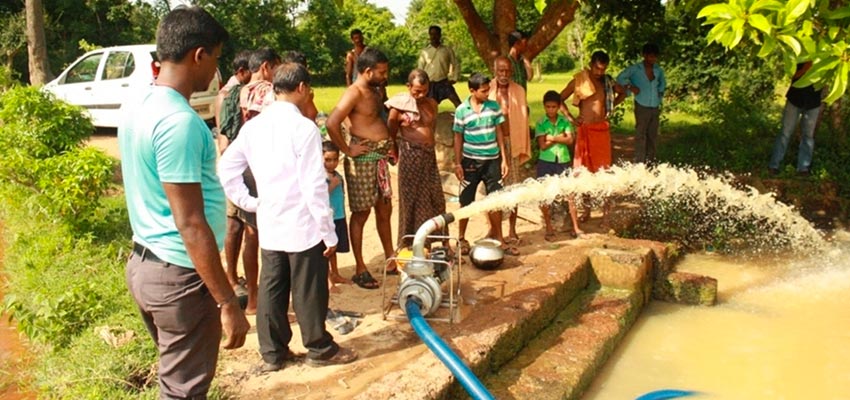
(487, 254)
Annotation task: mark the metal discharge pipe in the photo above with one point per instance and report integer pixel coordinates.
(463, 374)
(422, 233)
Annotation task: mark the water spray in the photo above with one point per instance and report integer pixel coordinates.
(420, 291)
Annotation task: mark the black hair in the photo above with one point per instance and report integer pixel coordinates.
(435, 28)
(262, 55)
(184, 29)
(651, 48)
(369, 58)
(327, 145)
(599, 56)
(296, 57)
(514, 37)
(418, 75)
(288, 76)
(242, 60)
(551, 96)
(477, 80)
(355, 32)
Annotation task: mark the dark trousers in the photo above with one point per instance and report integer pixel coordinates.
(646, 125)
(183, 320)
(305, 275)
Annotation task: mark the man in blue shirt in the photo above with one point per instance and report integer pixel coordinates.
(647, 81)
(177, 210)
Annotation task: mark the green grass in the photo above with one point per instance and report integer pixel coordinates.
(327, 96)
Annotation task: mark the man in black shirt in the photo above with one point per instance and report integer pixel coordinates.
(803, 106)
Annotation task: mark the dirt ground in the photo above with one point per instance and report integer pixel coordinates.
(382, 344)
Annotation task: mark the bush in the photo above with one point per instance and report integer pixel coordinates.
(64, 286)
(41, 149)
(681, 220)
(73, 182)
(7, 81)
(39, 124)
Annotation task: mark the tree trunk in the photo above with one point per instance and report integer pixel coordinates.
(504, 22)
(39, 68)
(557, 15)
(555, 18)
(486, 43)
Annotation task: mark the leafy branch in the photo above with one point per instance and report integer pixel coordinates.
(800, 30)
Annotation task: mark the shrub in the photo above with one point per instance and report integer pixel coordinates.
(7, 81)
(43, 126)
(73, 182)
(40, 149)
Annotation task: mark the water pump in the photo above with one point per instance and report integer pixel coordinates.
(425, 274)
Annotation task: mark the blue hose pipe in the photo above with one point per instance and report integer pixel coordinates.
(666, 394)
(461, 372)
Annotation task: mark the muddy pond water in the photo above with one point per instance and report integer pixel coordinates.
(780, 330)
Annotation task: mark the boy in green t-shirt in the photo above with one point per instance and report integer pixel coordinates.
(554, 135)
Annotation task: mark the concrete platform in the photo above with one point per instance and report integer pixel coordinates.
(539, 328)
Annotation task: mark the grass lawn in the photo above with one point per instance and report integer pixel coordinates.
(327, 96)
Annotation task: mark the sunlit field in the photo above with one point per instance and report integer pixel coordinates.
(327, 97)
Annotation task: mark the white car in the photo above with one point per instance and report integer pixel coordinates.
(101, 80)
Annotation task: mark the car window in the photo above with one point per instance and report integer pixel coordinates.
(85, 70)
(119, 64)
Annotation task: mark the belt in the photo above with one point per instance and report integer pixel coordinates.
(146, 254)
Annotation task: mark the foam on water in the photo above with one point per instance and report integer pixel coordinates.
(710, 193)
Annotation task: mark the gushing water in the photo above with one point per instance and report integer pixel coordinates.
(768, 222)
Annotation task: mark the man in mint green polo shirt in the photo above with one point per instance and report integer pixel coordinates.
(554, 136)
(177, 210)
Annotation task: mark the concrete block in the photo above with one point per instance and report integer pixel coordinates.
(621, 269)
(686, 288)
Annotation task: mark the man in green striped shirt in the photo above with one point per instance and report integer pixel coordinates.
(479, 146)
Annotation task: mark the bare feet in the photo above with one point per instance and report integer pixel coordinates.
(336, 278)
(510, 250)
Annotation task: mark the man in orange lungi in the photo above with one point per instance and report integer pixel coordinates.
(595, 94)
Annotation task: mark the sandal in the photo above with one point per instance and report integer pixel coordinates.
(365, 280)
(393, 270)
(549, 237)
(510, 250)
(514, 240)
(464, 246)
